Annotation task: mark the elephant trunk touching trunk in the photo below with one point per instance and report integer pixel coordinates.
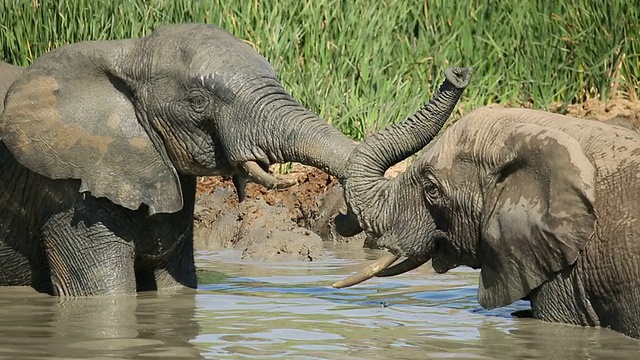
(375, 155)
(398, 142)
(298, 135)
(317, 144)
(366, 188)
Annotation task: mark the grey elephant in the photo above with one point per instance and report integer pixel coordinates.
(102, 142)
(8, 74)
(545, 205)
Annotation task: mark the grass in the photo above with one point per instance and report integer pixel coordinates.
(362, 64)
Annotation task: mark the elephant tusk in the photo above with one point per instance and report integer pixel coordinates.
(265, 179)
(368, 272)
(240, 183)
(401, 268)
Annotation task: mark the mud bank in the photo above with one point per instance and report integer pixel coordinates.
(289, 224)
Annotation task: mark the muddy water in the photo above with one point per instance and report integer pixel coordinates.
(288, 310)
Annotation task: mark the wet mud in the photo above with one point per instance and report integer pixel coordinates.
(288, 224)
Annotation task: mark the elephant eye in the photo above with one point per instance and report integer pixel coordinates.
(431, 189)
(198, 102)
(432, 192)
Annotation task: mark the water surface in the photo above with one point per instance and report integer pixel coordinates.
(288, 310)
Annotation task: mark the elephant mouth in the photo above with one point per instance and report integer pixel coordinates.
(384, 266)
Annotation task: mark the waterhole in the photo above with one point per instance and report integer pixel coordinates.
(257, 310)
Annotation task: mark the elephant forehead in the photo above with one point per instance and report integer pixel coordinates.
(208, 50)
(443, 154)
(228, 62)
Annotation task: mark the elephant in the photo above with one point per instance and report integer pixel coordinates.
(8, 74)
(544, 205)
(102, 142)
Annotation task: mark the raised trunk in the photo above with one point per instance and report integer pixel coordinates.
(396, 143)
(376, 154)
(293, 133)
(367, 190)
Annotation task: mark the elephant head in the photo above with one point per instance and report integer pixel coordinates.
(126, 117)
(493, 192)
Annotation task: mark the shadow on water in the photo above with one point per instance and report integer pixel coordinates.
(262, 311)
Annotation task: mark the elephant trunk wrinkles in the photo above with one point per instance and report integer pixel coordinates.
(393, 144)
(299, 135)
(396, 143)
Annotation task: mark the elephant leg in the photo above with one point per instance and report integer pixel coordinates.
(170, 264)
(172, 273)
(89, 253)
(178, 273)
(563, 299)
(618, 308)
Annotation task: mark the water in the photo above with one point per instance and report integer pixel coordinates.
(288, 310)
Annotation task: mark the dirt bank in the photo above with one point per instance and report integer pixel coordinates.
(291, 224)
(270, 224)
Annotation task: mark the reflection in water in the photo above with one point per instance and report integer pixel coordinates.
(36, 326)
(261, 311)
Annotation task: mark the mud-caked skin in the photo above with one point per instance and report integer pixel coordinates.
(102, 142)
(546, 205)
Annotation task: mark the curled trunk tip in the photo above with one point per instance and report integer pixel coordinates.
(459, 77)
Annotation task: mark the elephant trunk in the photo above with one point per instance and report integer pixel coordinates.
(366, 188)
(296, 134)
(393, 144)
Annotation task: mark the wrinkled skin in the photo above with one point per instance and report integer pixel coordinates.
(545, 205)
(102, 142)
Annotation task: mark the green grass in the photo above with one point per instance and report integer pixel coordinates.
(362, 64)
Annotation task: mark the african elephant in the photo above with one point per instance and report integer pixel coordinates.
(8, 74)
(102, 142)
(545, 205)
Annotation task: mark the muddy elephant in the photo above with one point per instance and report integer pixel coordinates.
(102, 142)
(545, 205)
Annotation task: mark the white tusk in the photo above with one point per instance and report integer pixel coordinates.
(265, 179)
(368, 272)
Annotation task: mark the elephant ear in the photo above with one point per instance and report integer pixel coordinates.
(71, 116)
(538, 216)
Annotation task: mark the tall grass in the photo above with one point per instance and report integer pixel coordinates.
(362, 64)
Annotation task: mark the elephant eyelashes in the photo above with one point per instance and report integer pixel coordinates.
(199, 102)
(217, 88)
(207, 81)
(431, 189)
(432, 192)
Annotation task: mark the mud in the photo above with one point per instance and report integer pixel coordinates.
(271, 224)
(621, 112)
(293, 223)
